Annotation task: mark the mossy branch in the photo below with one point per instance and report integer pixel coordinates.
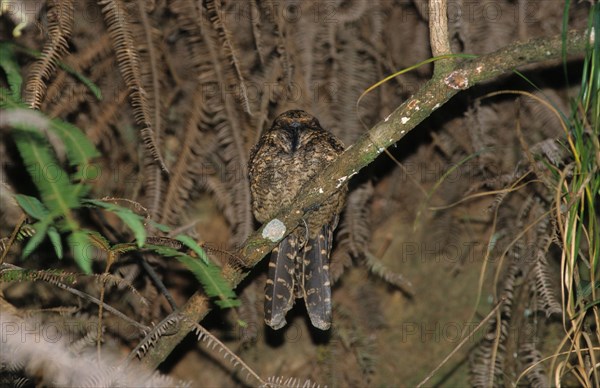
(434, 94)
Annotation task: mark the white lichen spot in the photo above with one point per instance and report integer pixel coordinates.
(404, 120)
(457, 80)
(274, 230)
(379, 150)
(320, 190)
(387, 118)
(417, 108)
(436, 106)
(341, 181)
(402, 132)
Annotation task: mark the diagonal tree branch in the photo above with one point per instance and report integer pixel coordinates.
(406, 117)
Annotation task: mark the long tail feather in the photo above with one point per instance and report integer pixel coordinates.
(315, 278)
(279, 289)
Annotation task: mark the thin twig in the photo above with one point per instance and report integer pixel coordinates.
(438, 34)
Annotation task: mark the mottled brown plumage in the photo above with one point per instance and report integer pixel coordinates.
(288, 155)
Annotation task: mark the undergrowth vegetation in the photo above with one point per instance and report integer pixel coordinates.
(468, 252)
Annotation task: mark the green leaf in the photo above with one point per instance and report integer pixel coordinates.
(193, 245)
(53, 183)
(125, 247)
(79, 242)
(8, 63)
(98, 240)
(209, 275)
(78, 147)
(135, 224)
(55, 240)
(32, 206)
(131, 219)
(161, 227)
(40, 232)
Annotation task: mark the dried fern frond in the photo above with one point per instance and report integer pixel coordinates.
(354, 231)
(117, 16)
(531, 357)
(89, 340)
(213, 342)
(110, 280)
(289, 382)
(62, 96)
(53, 362)
(377, 267)
(545, 280)
(60, 24)
(214, 13)
(185, 172)
(167, 326)
(486, 362)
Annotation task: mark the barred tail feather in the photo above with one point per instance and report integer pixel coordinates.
(279, 289)
(316, 280)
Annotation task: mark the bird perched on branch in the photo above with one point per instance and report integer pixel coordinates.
(288, 155)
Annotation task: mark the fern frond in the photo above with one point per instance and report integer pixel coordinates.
(54, 363)
(214, 11)
(377, 267)
(55, 277)
(78, 148)
(208, 274)
(530, 356)
(131, 219)
(87, 341)
(60, 24)
(213, 342)
(53, 183)
(289, 382)
(355, 230)
(185, 171)
(167, 326)
(117, 19)
(109, 280)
